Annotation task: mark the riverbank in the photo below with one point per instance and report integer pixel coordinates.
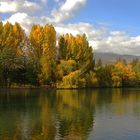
(28, 87)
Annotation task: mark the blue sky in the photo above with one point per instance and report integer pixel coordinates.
(117, 14)
(110, 25)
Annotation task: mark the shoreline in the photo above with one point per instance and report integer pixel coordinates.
(54, 88)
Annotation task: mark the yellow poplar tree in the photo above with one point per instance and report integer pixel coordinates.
(43, 42)
(36, 39)
(11, 36)
(48, 58)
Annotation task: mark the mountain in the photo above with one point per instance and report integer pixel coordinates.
(109, 58)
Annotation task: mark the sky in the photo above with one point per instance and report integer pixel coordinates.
(110, 25)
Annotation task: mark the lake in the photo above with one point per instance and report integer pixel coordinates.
(105, 114)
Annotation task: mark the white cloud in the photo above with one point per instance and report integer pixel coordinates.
(18, 6)
(6, 8)
(80, 28)
(23, 19)
(70, 5)
(119, 42)
(27, 21)
(67, 9)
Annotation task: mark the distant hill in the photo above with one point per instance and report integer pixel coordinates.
(109, 58)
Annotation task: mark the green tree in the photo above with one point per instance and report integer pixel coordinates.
(104, 76)
(9, 63)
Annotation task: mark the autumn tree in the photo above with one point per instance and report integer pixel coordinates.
(122, 73)
(43, 41)
(48, 59)
(11, 36)
(76, 49)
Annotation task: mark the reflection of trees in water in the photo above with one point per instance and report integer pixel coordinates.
(18, 115)
(48, 115)
(118, 101)
(75, 112)
(69, 117)
(62, 114)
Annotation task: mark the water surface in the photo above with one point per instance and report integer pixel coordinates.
(107, 114)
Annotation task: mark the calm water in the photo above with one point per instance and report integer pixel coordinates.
(70, 115)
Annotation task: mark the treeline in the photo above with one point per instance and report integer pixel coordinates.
(119, 74)
(38, 60)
